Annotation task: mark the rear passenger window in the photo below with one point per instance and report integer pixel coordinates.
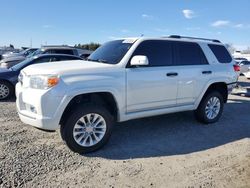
(188, 53)
(159, 53)
(220, 53)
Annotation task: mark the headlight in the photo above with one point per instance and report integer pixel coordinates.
(43, 81)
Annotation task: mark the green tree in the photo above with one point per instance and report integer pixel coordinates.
(89, 46)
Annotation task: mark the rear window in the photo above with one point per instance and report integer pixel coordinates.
(220, 53)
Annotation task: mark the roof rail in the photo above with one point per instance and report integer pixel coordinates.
(51, 46)
(185, 37)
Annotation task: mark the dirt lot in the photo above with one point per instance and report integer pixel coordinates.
(166, 151)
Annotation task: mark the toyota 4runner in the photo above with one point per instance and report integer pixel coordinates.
(123, 80)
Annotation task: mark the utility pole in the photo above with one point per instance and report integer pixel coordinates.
(30, 42)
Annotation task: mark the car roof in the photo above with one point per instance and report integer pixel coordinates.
(174, 38)
(58, 47)
(55, 55)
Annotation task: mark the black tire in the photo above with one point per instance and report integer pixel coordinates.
(200, 113)
(68, 127)
(11, 90)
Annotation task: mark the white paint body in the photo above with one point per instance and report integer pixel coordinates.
(138, 92)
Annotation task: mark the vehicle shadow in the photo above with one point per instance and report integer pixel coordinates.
(176, 134)
(12, 99)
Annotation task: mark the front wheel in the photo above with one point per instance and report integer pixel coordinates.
(6, 90)
(87, 129)
(210, 108)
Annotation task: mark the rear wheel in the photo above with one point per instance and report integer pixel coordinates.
(6, 90)
(87, 129)
(210, 108)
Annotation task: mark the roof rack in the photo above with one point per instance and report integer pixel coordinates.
(185, 37)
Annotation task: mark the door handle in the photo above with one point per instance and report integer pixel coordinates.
(171, 74)
(206, 72)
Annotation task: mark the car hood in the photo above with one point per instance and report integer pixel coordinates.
(3, 70)
(66, 67)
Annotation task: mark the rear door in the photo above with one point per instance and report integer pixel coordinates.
(193, 69)
(153, 86)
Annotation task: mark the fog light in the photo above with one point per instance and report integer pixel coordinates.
(33, 109)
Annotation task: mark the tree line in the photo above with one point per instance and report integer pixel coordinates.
(90, 46)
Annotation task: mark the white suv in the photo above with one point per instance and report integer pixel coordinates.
(123, 80)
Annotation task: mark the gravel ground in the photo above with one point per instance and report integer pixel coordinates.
(165, 151)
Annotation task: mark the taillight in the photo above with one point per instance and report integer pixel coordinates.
(236, 68)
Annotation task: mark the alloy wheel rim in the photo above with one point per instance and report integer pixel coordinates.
(212, 108)
(4, 91)
(89, 130)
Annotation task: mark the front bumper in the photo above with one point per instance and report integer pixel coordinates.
(38, 122)
(40, 108)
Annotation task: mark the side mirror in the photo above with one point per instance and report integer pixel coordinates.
(139, 60)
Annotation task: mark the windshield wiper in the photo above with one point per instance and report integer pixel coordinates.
(98, 60)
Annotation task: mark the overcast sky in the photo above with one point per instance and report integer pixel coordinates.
(78, 21)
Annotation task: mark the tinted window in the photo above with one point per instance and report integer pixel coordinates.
(159, 53)
(220, 53)
(188, 53)
(37, 52)
(63, 51)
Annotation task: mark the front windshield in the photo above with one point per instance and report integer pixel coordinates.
(111, 52)
(24, 52)
(37, 52)
(21, 65)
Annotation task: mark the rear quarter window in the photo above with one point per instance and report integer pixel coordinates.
(220, 53)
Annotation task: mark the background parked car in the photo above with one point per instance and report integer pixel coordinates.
(11, 61)
(7, 49)
(9, 77)
(244, 66)
(62, 50)
(239, 59)
(23, 53)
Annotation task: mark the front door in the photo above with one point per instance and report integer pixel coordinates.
(153, 86)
